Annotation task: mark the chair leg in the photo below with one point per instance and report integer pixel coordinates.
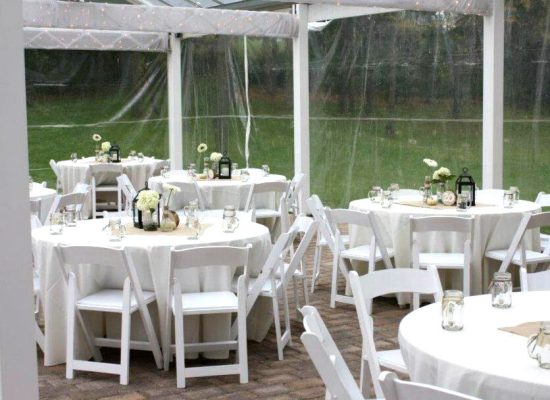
(316, 266)
(125, 343)
(364, 383)
(180, 351)
(334, 283)
(296, 297)
(71, 312)
(466, 280)
(286, 315)
(277, 322)
(243, 351)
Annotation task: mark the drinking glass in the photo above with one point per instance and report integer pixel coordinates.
(462, 201)
(375, 194)
(69, 217)
(515, 191)
(74, 157)
(452, 310)
(235, 170)
(116, 230)
(265, 169)
(194, 226)
(164, 172)
(501, 290)
(508, 199)
(386, 199)
(56, 223)
(132, 155)
(140, 157)
(394, 187)
(230, 220)
(245, 175)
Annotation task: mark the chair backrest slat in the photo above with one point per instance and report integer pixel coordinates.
(534, 281)
(278, 188)
(105, 174)
(127, 192)
(200, 257)
(442, 224)
(543, 199)
(308, 228)
(189, 191)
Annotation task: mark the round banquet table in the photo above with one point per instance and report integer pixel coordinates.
(74, 172)
(494, 228)
(150, 252)
(220, 192)
(481, 360)
(46, 197)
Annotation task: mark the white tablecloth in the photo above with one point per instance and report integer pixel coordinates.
(220, 192)
(46, 197)
(151, 255)
(79, 171)
(480, 360)
(494, 228)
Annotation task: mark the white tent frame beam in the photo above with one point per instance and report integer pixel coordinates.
(133, 18)
(323, 12)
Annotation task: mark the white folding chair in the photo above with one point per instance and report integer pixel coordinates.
(55, 169)
(125, 302)
(325, 236)
(203, 303)
(76, 199)
(535, 280)
(342, 256)
(379, 283)
(461, 260)
(516, 254)
(269, 286)
(104, 180)
(126, 193)
(543, 200)
(38, 334)
(396, 389)
(188, 191)
(277, 189)
(327, 359)
(294, 194)
(36, 207)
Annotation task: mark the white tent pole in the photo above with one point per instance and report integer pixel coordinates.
(175, 133)
(493, 92)
(300, 57)
(18, 371)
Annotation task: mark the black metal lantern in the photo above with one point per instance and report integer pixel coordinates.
(114, 153)
(224, 167)
(137, 214)
(464, 183)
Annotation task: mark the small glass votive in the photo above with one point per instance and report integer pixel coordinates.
(69, 217)
(462, 201)
(265, 170)
(386, 200)
(515, 191)
(508, 199)
(56, 223)
(452, 310)
(235, 172)
(501, 290)
(116, 230)
(245, 175)
(375, 194)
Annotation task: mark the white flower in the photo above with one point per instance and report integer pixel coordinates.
(201, 148)
(96, 137)
(170, 188)
(441, 174)
(105, 147)
(147, 200)
(215, 157)
(430, 163)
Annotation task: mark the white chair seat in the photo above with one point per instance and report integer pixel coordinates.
(110, 300)
(362, 253)
(208, 303)
(442, 260)
(267, 213)
(345, 240)
(531, 257)
(393, 359)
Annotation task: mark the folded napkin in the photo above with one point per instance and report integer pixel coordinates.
(526, 329)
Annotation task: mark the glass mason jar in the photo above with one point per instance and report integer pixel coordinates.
(441, 188)
(386, 199)
(245, 175)
(235, 172)
(56, 223)
(538, 345)
(452, 310)
(230, 220)
(149, 223)
(69, 217)
(501, 290)
(515, 191)
(116, 230)
(462, 201)
(508, 199)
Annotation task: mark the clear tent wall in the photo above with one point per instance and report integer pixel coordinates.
(386, 91)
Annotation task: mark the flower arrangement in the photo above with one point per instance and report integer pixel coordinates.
(442, 175)
(201, 148)
(147, 200)
(170, 189)
(105, 147)
(216, 157)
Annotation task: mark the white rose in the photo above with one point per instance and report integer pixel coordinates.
(215, 157)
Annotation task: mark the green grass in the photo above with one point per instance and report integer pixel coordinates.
(347, 155)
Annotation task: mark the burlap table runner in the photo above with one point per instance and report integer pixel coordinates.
(526, 329)
(181, 230)
(419, 203)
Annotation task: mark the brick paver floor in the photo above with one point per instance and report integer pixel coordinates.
(293, 378)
